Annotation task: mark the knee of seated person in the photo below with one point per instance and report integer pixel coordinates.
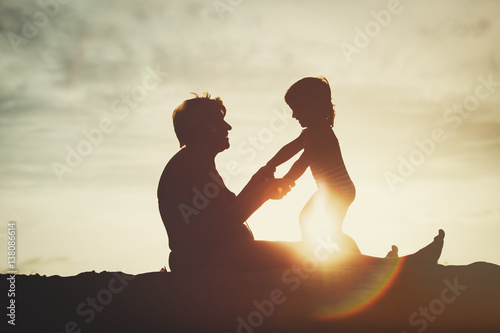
(178, 264)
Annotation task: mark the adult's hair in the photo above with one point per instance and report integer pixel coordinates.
(192, 115)
(313, 93)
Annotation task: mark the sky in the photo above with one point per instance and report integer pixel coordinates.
(87, 91)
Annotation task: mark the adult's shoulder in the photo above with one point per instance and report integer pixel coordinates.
(185, 164)
(185, 158)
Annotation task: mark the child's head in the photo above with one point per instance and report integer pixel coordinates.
(310, 99)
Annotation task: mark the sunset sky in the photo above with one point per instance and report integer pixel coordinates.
(416, 86)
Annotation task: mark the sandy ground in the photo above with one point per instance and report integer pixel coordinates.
(418, 298)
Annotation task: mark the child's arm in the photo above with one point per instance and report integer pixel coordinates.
(286, 153)
(298, 168)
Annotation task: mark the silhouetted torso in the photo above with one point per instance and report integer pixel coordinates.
(326, 162)
(194, 204)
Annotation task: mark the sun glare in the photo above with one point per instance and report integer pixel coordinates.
(316, 224)
(361, 292)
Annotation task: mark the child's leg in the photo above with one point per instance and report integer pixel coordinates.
(322, 218)
(313, 221)
(346, 243)
(338, 205)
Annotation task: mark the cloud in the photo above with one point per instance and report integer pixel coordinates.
(65, 79)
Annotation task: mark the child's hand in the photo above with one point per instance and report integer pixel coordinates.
(264, 174)
(276, 189)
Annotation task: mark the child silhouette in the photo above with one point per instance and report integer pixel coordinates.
(323, 215)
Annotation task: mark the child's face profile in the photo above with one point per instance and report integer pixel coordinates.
(305, 114)
(300, 114)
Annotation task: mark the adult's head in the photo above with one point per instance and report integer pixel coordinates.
(310, 99)
(199, 123)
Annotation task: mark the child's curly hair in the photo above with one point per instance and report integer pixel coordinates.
(313, 93)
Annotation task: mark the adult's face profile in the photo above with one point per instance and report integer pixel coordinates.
(199, 124)
(214, 133)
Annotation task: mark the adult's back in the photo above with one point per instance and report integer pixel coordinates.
(194, 205)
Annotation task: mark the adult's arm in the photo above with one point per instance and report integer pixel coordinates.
(200, 198)
(203, 202)
(248, 202)
(263, 186)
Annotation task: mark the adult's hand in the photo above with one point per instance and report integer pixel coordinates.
(258, 182)
(276, 189)
(252, 197)
(264, 174)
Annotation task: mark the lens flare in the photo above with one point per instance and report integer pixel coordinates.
(322, 218)
(315, 222)
(356, 286)
(358, 291)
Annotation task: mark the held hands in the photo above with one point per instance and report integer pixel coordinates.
(264, 174)
(276, 189)
(272, 188)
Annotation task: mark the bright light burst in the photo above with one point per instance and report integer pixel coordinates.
(358, 291)
(354, 290)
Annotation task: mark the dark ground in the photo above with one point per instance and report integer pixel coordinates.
(421, 299)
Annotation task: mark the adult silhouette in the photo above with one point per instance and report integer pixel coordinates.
(205, 221)
(200, 214)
